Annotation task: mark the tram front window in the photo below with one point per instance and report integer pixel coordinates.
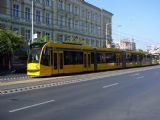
(34, 55)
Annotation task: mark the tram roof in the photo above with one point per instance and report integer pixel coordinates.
(69, 45)
(109, 49)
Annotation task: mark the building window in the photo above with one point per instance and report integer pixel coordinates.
(61, 21)
(92, 43)
(16, 10)
(47, 18)
(48, 36)
(61, 4)
(28, 14)
(92, 28)
(76, 10)
(92, 16)
(96, 18)
(88, 15)
(98, 30)
(38, 34)
(69, 23)
(68, 8)
(38, 16)
(37, 1)
(83, 13)
(47, 3)
(83, 27)
(87, 27)
(80, 26)
(60, 38)
(76, 24)
(28, 34)
(97, 43)
(87, 42)
(16, 30)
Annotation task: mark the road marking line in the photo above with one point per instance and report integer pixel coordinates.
(30, 106)
(140, 77)
(110, 85)
(136, 74)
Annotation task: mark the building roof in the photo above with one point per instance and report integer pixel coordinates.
(90, 5)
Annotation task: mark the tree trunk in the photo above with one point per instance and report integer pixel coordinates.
(10, 62)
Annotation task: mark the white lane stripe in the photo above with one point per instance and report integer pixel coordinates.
(140, 77)
(30, 106)
(136, 74)
(110, 85)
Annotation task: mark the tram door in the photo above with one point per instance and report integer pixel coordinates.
(123, 59)
(58, 62)
(87, 61)
(118, 59)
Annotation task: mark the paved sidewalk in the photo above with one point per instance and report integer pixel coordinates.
(14, 77)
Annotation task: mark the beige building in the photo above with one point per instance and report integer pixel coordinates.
(154, 49)
(58, 19)
(126, 44)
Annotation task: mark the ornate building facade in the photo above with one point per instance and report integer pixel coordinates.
(58, 19)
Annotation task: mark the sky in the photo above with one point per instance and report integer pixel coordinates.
(138, 19)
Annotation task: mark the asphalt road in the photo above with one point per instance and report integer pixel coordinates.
(133, 96)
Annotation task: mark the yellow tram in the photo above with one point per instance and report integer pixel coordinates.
(49, 58)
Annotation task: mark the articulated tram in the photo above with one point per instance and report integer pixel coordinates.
(49, 58)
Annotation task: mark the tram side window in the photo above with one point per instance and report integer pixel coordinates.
(101, 58)
(134, 58)
(73, 57)
(106, 57)
(78, 58)
(129, 58)
(143, 58)
(110, 57)
(140, 58)
(68, 58)
(148, 58)
(45, 57)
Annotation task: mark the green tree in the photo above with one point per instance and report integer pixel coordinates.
(140, 50)
(74, 40)
(9, 42)
(43, 39)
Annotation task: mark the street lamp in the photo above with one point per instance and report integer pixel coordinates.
(32, 21)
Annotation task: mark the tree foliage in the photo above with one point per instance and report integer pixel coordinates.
(140, 50)
(9, 42)
(43, 39)
(74, 40)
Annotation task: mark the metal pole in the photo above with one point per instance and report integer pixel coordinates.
(32, 22)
